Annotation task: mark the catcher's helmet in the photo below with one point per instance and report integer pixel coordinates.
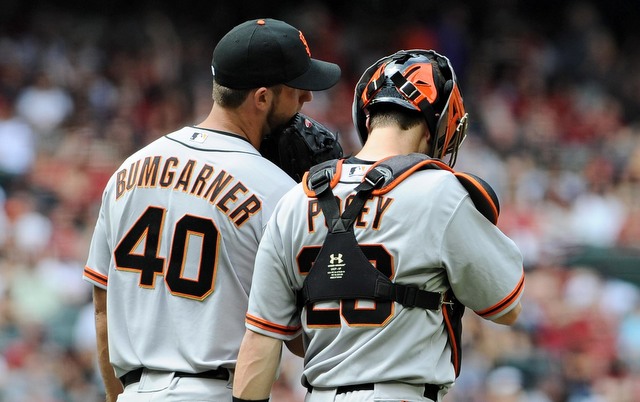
(420, 80)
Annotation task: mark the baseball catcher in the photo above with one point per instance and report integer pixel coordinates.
(372, 259)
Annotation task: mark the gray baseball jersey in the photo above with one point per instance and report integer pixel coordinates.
(426, 232)
(175, 244)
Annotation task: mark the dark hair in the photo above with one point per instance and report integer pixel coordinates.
(227, 97)
(388, 114)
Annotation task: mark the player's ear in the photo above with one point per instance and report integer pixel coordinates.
(262, 98)
(427, 134)
(426, 140)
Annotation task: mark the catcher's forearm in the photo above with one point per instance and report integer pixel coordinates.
(257, 366)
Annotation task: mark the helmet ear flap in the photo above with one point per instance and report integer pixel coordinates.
(448, 86)
(446, 91)
(443, 96)
(443, 65)
(358, 114)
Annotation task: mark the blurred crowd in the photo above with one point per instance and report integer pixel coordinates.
(554, 102)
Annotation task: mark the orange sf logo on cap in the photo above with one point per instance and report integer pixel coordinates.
(304, 41)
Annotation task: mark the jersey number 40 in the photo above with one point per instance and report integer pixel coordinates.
(149, 264)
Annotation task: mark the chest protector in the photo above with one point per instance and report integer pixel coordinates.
(342, 271)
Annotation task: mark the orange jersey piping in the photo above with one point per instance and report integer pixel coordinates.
(452, 339)
(504, 303)
(271, 327)
(95, 276)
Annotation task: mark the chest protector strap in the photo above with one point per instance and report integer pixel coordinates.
(341, 269)
(397, 168)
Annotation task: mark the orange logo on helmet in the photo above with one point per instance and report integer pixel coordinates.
(304, 42)
(367, 93)
(421, 75)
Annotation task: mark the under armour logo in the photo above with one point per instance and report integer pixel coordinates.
(335, 268)
(335, 259)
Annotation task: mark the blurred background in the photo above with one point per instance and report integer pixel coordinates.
(553, 93)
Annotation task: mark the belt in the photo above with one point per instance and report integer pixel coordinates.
(217, 374)
(430, 390)
(350, 388)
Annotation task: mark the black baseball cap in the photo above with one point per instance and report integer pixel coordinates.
(267, 52)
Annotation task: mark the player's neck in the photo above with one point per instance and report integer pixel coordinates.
(229, 121)
(387, 141)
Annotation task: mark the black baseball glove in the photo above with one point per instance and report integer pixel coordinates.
(302, 143)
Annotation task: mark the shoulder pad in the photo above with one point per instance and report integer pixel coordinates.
(321, 175)
(482, 195)
(399, 167)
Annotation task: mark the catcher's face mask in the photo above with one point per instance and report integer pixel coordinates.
(421, 80)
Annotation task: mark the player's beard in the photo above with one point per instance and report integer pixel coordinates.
(276, 121)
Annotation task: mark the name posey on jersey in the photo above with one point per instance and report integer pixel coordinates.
(371, 215)
(217, 187)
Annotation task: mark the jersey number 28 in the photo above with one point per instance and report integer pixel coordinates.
(352, 310)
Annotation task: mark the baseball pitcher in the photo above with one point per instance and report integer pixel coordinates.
(173, 250)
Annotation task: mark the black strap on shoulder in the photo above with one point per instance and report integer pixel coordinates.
(373, 179)
(482, 194)
(320, 175)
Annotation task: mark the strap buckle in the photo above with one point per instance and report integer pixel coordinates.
(320, 180)
(414, 91)
(443, 301)
(405, 86)
(411, 295)
(375, 177)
